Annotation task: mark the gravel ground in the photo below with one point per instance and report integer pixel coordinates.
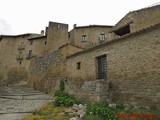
(20, 101)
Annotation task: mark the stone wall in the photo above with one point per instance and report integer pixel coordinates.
(46, 72)
(38, 46)
(7, 56)
(133, 67)
(43, 71)
(57, 35)
(93, 90)
(17, 75)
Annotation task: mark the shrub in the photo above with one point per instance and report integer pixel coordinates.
(92, 117)
(64, 99)
(102, 110)
(120, 105)
(60, 93)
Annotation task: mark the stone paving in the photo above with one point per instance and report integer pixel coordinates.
(20, 101)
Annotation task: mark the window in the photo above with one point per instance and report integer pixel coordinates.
(84, 38)
(102, 38)
(21, 45)
(102, 67)
(20, 56)
(45, 42)
(58, 26)
(30, 53)
(78, 65)
(31, 42)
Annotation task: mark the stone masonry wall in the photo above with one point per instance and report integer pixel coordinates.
(93, 90)
(133, 67)
(46, 72)
(57, 36)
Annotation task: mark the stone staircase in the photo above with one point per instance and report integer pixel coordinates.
(19, 101)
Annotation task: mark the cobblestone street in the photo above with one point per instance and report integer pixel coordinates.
(20, 101)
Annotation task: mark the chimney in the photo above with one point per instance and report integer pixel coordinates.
(42, 32)
(75, 25)
(46, 31)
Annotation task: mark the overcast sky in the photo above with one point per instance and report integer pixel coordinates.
(32, 16)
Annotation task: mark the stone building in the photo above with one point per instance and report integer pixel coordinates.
(96, 62)
(88, 36)
(14, 49)
(126, 67)
(136, 20)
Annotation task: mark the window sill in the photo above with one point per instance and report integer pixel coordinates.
(84, 41)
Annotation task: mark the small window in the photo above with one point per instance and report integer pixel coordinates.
(78, 65)
(30, 53)
(58, 26)
(45, 42)
(84, 38)
(22, 44)
(20, 62)
(31, 42)
(102, 38)
(69, 35)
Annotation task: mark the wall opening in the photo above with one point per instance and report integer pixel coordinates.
(78, 65)
(123, 31)
(45, 42)
(31, 42)
(30, 53)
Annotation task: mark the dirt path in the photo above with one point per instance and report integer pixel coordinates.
(20, 101)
